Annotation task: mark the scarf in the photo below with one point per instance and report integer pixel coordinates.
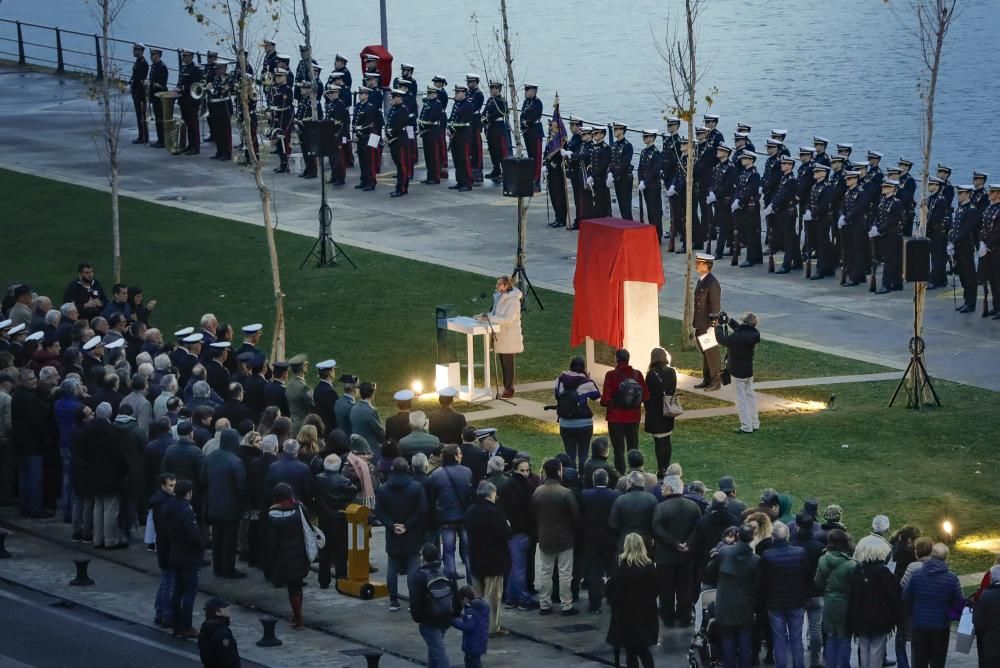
(364, 477)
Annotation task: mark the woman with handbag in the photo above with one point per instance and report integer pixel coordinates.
(662, 406)
(288, 543)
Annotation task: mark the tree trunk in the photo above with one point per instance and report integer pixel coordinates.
(110, 137)
(687, 324)
(522, 210)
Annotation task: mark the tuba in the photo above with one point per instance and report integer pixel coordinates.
(197, 90)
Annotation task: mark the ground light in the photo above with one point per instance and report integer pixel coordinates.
(949, 531)
(417, 387)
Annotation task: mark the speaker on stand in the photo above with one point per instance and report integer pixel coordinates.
(518, 175)
(917, 260)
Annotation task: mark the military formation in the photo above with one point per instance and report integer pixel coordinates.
(819, 211)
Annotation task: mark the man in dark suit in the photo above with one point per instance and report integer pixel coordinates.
(324, 396)
(215, 370)
(493, 448)
(397, 425)
(274, 391)
(446, 423)
(707, 300)
(473, 457)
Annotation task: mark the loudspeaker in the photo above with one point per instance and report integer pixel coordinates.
(518, 177)
(917, 260)
(319, 138)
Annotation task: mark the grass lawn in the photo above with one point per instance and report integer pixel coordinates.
(378, 323)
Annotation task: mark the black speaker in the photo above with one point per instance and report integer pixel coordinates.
(319, 138)
(917, 260)
(518, 177)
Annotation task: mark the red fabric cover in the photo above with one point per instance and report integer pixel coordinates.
(609, 252)
(384, 63)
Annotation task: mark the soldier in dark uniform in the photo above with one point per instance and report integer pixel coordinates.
(475, 99)
(571, 163)
(962, 246)
(874, 173)
(251, 337)
(820, 156)
(373, 84)
(324, 396)
(158, 75)
(818, 223)
(947, 190)
(704, 164)
(429, 125)
(254, 386)
(649, 173)
(308, 104)
(189, 75)
(907, 195)
(137, 86)
(677, 196)
(439, 83)
(844, 151)
(851, 224)
(805, 180)
(938, 227)
(285, 63)
(720, 195)
(187, 359)
(494, 119)
(220, 110)
(600, 176)
(769, 186)
(746, 210)
(395, 137)
(460, 131)
(410, 102)
(302, 69)
(714, 134)
(556, 178)
(744, 129)
(621, 170)
(531, 130)
(334, 110)
(208, 76)
(783, 207)
(707, 302)
(989, 245)
(270, 62)
(215, 367)
(669, 157)
(583, 156)
(979, 198)
(216, 644)
(368, 121)
(886, 231)
(371, 64)
(837, 190)
(274, 391)
(346, 83)
(406, 74)
(397, 425)
(870, 183)
(281, 117)
(179, 351)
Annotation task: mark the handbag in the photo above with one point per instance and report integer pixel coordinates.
(314, 537)
(671, 403)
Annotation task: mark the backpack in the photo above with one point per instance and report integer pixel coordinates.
(628, 394)
(568, 405)
(440, 597)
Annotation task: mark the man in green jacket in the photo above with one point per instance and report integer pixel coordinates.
(298, 394)
(736, 569)
(418, 440)
(557, 517)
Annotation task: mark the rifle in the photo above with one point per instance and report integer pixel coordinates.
(874, 279)
(770, 243)
(709, 229)
(843, 255)
(986, 290)
(673, 229)
(954, 294)
(807, 248)
(735, 261)
(642, 212)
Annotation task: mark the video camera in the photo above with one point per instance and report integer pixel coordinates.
(721, 317)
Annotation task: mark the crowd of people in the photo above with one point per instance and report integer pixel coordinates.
(208, 454)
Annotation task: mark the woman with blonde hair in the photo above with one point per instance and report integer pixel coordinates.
(631, 593)
(308, 439)
(761, 543)
(661, 379)
(875, 605)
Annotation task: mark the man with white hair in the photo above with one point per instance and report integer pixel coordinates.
(40, 307)
(50, 323)
(105, 468)
(213, 443)
(289, 470)
(674, 523)
(141, 409)
(32, 434)
(260, 501)
(418, 440)
(784, 571)
(332, 492)
(168, 389)
(209, 323)
(930, 596)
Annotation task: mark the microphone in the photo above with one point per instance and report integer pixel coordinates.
(482, 296)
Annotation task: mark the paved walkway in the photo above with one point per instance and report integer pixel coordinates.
(49, 128)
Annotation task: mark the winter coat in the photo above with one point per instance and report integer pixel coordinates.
(451, 487)
(785, 576)
(332, 493)
(291, 471)
(31, 431)
(446, 424)
(157, 503)
(488, 533)
(365, 421)
(181, 528)
(142, 410)
(506, 321)
(876, 607)
(708, 533)
(225, 479)
(986, 618)
(65, 412)
(474, 459)
(674, 521)
(736, 569)
(419, 441)
(286, 544)
(739, 345)
(557, 516)
(514, 499)
(833, 577)
(184, 460)
(417, 585)
(633, 513)
(813, 553)
(931, 594)
(152, 458)
(661, 382)
(612, 380)
(632, 592)
(595, 513)
(132, 443)
(475, 627)
(103, 466)
(216, 644)
(401, 500)
(594, 463)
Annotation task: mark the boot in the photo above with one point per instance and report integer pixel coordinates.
(296, 602)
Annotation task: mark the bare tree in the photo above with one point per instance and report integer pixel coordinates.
(306, 31)
(233, 22)
(681, 55)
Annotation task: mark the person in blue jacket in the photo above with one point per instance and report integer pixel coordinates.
(474, 625)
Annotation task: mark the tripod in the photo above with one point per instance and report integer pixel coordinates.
(520, 275)
(922, 379)
(321, 250)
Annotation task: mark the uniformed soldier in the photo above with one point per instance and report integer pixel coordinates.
(397, 425)
(137, 86)
(769, 187)
(871, 189)
(406, 74)
(310, 92)
(819, 146)
(556, 177)
(746, 211)
(189, 75)
(334, 110)
(744, 129)
(346, 83)
(780, 136)
(938, 227)
(819, 221)
(274, 391)
(368, 121)
(600, 177)
(208, 76)
(372, 81)
(979, 198)
(837, 190)
(282, 117)
(671, 152)
(216, 373)
(720, 197)
(180, 350)
(583, 156)
(475, 100)
(783, 207)
(714, 134)
(429, 125)
(947, 190)
(252, 334)
(460, 132)
(494, 119)
(270, 62)
(907, 195)
(189, 358)
(158, 75)
(440, 82)
(285, 63)
(531, 131)
(220, 111)
(874, 173)
(707, 301)
(962, 246)
(886, 230)
(216, 644)
(255, 385)
(371, 64)
(324, 396)
(704, 164)
(989, 246)
(853, 230)
(649, 173)
(298, 394)
(676, 195)
(620, 170)
(740, 140)
(805, 180)
(844, 151)
(302, 73)
(410, 102)
(395, 137)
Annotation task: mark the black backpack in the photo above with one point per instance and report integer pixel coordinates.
(440, 597)
(568, 405)
(628, 394)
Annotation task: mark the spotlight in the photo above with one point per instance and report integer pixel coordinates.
(948, 529)
(417, 387)
(830, 401)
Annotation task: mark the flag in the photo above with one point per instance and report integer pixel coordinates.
(557, 137)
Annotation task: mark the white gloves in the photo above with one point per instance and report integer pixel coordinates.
(671, 191)
(642, 186)
(768, 210)
(841, 222)
(951, 250)
(807, 216)
(736, 205)
(566, 154)
(710, 199)
(610, 181)
(760, 191)
(872, 233)
(545, 170)
(590, 181)
(983, 250)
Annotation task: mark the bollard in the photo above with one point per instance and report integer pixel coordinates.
(269, 639)
(97, 53)
(20, 45)
(60, 65)
(373, 657)
(4, 554)
(81, 579)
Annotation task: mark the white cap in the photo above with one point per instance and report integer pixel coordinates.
(447, 392)
(184, 332)
(193, 338)
(404, 395)
(4, 324)
(704, 257)
(327, 364)
(220, 344)
(117, 343)
(35, 336)
(250, 329)
(92, 343)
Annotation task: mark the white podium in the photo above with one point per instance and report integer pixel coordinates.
(473, 328)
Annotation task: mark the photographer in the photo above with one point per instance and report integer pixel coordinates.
(740, 345)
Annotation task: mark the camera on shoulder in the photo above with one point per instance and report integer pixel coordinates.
(721, 317)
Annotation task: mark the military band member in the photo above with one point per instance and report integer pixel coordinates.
(907, 196)
(746, 210)
(137, 86)
(368, 121)
(962, 246)
(820, 156)
(158, 75)
(555, 175)
(220, 110)
(783, 207)
(208, 76)
(600, 174)
(189, 75)
(309, 90)
(649, 174)
(372, 81)
(947, 190)
(346, 83)
(886, 229)
(938, 227)
(979, 198)
(335, 110)
(677, 196)
(429, 125)
(460, 131)
(989, 246)
(410, 102)
(281, 117)
(818, 224)
(476, 100)
(440, 82)
(720, 197)
(494, 118)
(531, 130)
(620, 170)
(583, 156)
(853, 230)
(395, 136)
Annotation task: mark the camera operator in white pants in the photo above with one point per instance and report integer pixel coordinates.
(740, 345)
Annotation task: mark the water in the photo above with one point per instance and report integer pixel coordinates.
(846, 70)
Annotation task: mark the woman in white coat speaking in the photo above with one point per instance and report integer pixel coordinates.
(505, 319)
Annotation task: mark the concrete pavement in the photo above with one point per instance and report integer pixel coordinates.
(49, 127)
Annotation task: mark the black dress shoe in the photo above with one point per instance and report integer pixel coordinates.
(464, 189)
(702, 385)
(158, 144)
(192, 151)
(967, 308)
(396, 193)
(714, 387)
(556, 223)
(782, 270)
(745, 264)
(368, 189)
(849, 284)
(883, 290)
(281, 169)
(138, 141)
(309, 176)
(815, 277)
(454, 187)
